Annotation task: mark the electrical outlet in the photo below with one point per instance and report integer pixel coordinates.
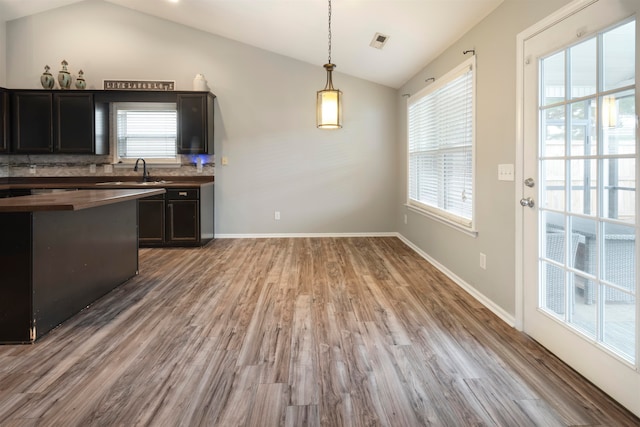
(108, 168)
(483, 261)
(32, 169)
(276, 215)
(224, 161)
(405, 218)
(92, 168)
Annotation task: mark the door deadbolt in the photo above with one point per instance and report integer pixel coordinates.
(528, 201)
(529, 182)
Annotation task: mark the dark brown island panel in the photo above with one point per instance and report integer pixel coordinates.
(61, 251)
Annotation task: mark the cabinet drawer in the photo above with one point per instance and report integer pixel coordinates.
(183, 194)
(156, 197)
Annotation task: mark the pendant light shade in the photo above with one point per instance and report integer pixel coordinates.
(329, 99)
(329, 104)
(609, 112)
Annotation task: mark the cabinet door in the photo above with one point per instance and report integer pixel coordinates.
(151, 223)
(183, 222)
(4, 112)
(195, 123)
(74, 123)
(31, 126)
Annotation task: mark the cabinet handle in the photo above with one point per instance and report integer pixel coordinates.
(182, 193)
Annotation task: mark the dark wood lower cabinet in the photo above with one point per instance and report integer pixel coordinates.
(183, 221)
(14, 193)
(151, 226)
(181, 217)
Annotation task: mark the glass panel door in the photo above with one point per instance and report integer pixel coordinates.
(579, 214)
(587, 211)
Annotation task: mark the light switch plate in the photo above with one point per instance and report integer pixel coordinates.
(506, 172)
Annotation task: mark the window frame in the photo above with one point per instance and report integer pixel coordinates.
(115, 107)
(440, 214)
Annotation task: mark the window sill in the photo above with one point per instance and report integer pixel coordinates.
(459, 227)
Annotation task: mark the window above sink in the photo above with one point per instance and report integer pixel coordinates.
(144, 130)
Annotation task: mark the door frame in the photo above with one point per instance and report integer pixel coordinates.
(551, 20)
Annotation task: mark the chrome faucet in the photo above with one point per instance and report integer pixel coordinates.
(145, 174)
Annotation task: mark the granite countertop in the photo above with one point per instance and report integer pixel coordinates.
(104, 182)
(74, 200)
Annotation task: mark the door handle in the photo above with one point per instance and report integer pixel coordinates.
(528, 201)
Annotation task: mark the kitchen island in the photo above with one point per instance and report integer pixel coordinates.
(61, 251)
(184, 216)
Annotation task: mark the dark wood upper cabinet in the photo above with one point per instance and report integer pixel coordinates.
(77, 122)
(74, 123)
(195, 123)
(47, 122)
(31, 124)
(4, 117)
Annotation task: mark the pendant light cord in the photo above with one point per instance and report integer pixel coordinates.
(329, 32)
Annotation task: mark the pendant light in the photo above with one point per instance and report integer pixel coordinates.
(329, 100)
(609, 112)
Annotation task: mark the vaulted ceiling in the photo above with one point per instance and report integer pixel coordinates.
(418, 30)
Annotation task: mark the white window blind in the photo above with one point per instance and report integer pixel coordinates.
(441, 146)
(146, 130)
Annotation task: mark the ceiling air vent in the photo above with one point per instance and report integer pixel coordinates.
(379, 41)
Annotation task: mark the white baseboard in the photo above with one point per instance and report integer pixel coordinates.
(497, 310)
(298, 235)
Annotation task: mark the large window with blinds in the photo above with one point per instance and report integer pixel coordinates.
(441, 147)
(147, 130)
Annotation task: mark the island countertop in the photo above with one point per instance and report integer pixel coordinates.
(74, 200)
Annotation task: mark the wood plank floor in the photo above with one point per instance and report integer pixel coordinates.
(292, 332)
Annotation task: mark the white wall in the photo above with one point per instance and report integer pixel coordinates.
(320, 181)
(494, 40)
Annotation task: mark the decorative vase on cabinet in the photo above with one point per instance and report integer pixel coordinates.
(80, 82)
(64, 78)
(46, 79)
(200, 83)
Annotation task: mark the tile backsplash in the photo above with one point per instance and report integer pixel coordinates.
(51, 165)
